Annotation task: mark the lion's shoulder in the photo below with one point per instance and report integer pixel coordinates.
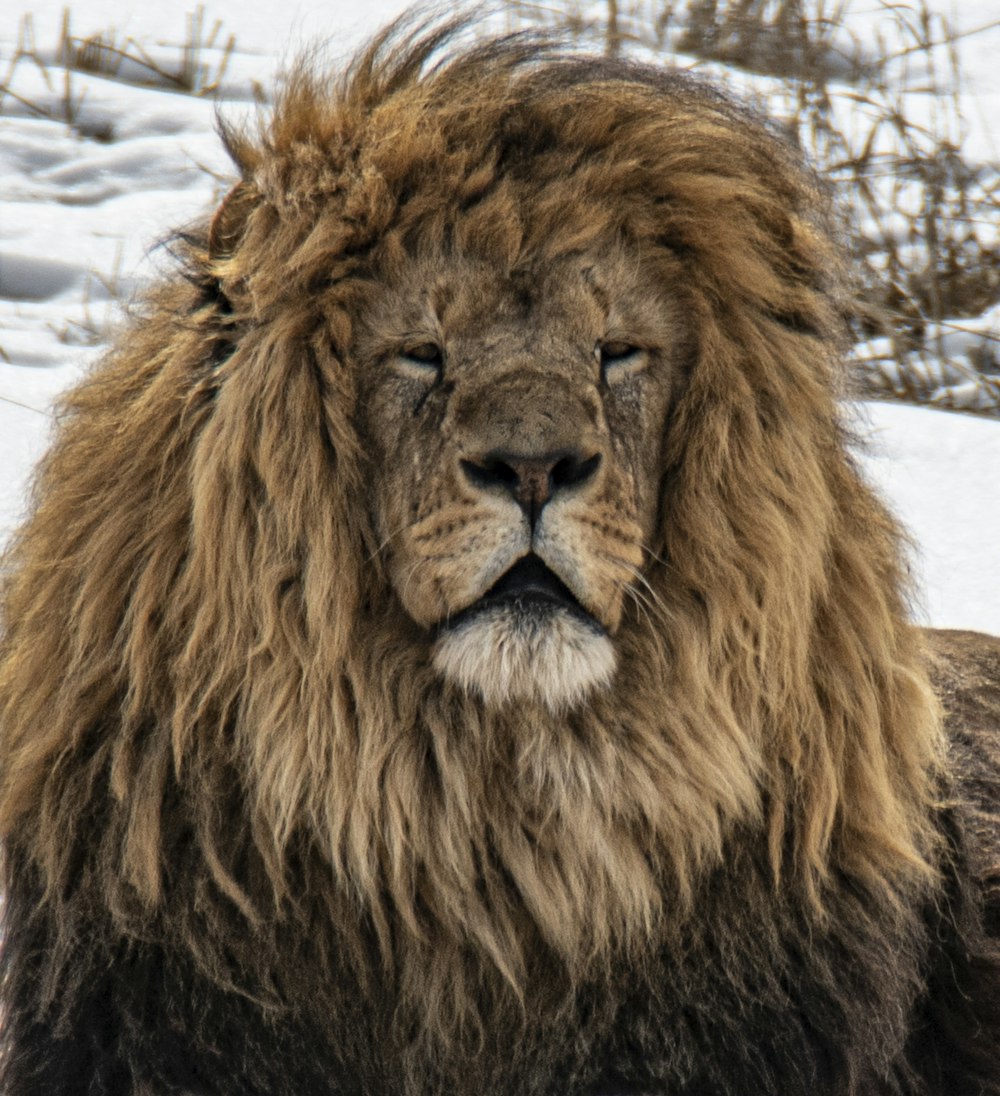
(965, 671)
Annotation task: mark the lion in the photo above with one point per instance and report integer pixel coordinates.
(452, 649)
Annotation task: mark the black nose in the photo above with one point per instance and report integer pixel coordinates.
(532, 481)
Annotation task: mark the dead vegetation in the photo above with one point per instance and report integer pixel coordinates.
(196, 67)
(190, 71)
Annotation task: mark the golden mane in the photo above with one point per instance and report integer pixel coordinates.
(202, 658)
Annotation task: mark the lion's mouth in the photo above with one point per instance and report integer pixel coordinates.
(526, 639)
(530, 588)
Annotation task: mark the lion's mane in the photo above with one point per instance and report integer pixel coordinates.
(229, 770)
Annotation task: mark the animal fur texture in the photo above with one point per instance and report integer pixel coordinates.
(452, 650)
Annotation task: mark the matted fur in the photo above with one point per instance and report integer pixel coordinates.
(256, 843)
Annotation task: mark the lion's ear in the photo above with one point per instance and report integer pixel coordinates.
(230, 220)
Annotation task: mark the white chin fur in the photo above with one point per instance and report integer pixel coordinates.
(508, 654)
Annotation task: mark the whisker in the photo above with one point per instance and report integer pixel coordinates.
(639, 600)
(653, 555)
(385, 543)
(407, 577)
(651, 598)
(638, 595)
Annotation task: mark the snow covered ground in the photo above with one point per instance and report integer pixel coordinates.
(82, 207)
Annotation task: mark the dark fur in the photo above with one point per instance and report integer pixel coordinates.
(756, 1002)
(157, 943)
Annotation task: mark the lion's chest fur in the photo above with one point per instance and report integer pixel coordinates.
(751, 996)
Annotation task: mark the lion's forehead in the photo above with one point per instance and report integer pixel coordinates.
(495, 309)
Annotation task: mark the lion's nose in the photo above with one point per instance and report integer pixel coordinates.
(532, 481)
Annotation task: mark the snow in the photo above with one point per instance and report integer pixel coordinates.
(940, 471)
(83, 207)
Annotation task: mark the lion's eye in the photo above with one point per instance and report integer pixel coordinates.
(421, 361)
(429, 355)
(619, 358)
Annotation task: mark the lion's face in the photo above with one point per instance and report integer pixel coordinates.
(515, 420)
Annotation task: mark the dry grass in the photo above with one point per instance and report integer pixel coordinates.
(127, 59)
(27, 52)
(922, 218)
(197, 69)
